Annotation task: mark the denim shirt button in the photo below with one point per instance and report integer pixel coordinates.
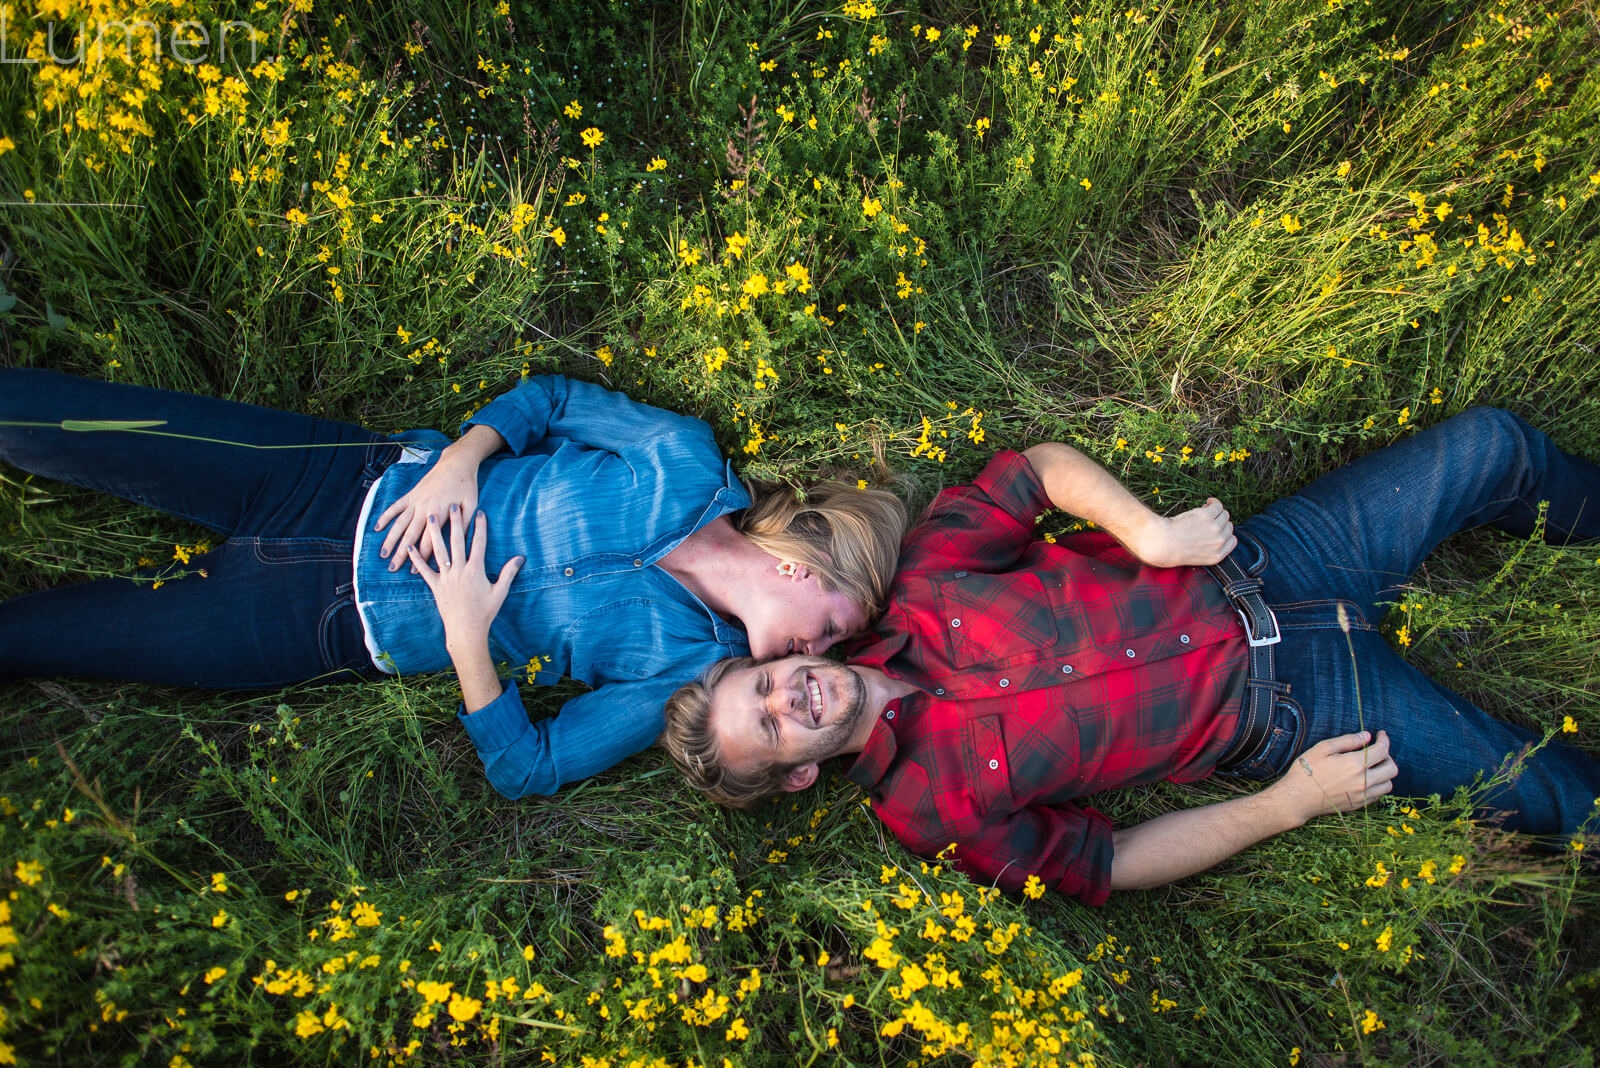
(567, 572)
(638, 563)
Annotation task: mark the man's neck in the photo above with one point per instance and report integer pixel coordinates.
(881, 689)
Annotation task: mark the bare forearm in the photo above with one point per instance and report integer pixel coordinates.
(1339, 774)
(477, 444)
(1178, 844)
(480, 685)
(1074, 483)
(1077, 485)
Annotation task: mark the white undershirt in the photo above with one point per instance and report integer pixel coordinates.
(409, 454)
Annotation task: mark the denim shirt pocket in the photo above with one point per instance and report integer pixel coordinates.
(988, 770)
(616, 642)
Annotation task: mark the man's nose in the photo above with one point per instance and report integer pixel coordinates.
(783, 699)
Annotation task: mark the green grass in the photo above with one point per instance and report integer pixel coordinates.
(1214, 228)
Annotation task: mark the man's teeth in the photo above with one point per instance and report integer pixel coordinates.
(816, 699)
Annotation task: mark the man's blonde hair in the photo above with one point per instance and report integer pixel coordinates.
(693, 747)
(849, 537)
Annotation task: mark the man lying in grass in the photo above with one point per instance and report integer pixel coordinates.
(628, 556)
(1011, 677)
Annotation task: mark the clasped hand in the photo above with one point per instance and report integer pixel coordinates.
(452, 483)
(1338, 774)
(1198, 537)
(466, 598)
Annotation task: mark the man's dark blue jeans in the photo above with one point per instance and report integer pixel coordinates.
(1352, 538)
(274, 605)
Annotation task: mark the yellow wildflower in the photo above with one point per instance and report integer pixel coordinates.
(464, 1008)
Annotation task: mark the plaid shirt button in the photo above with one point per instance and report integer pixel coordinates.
(994, 765)
(1131, 654)
(939, 692)
(1004, 683)
(1184, 638)
(955, 622)
(889, 714)
(1066, 669)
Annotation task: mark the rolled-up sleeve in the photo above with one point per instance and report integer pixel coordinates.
(554, 406)
(1068, 847)
(987, 523)
(592, 732)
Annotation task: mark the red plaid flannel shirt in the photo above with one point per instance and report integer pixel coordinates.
(1046, 672)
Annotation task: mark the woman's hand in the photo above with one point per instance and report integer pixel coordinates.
(466, 598)
(451, 482)
(1200, 536)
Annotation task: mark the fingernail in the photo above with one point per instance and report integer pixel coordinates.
(455, 508)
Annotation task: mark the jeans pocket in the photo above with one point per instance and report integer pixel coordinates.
(380, 455)
(342, 639)
(1285, 739)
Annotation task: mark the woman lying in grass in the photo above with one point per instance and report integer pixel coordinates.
(628, 556)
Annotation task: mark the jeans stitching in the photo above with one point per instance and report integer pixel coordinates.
(317, 549)
(1353, 613)
(324, 644)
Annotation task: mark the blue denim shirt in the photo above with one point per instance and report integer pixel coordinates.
(593, 489)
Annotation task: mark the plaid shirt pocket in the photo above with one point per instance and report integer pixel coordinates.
(988, 771)
(995, 619)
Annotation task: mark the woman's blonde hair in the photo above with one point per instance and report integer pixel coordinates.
(848, 536)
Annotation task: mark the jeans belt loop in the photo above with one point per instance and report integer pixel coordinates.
(1261, 632)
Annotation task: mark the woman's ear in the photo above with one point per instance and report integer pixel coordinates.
(793, 569)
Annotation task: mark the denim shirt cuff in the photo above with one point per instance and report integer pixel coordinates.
(497, 724)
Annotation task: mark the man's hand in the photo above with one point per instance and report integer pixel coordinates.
(1199, 537)
(1337, 775)
(452, 481)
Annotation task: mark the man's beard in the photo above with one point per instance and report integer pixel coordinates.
(831, 741)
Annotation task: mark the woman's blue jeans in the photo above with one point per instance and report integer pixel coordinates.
(1352, 538)
(272, 605)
